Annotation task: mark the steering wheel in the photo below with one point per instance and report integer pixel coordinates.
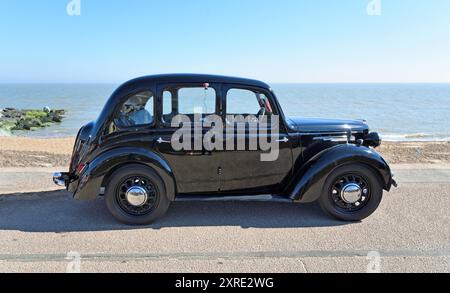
(262, 112)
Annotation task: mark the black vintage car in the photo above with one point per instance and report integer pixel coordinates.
(127, 155)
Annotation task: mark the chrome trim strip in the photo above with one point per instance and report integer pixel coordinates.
(332, 138)
(323, 133)
(330, 133)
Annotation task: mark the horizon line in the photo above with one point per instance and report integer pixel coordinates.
(269, 82)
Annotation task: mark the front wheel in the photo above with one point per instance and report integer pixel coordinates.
(351, 193)
(136, 195)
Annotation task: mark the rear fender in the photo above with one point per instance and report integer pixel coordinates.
(96, 175)
(309, 180)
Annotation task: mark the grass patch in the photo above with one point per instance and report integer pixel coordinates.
(35, 114)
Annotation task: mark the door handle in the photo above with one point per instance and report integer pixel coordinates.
(283, 140)
(160, 140)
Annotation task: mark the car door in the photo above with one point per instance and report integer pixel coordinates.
(195, 168)
(246, 169)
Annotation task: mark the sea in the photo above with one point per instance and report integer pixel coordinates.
(399, 112)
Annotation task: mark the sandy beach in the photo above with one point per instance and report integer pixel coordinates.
(30, 152)
(55, 152)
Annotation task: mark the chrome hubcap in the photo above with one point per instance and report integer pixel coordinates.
(351, 193)
(136, 196)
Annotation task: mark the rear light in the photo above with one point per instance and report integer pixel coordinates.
(80, 146)
(81, 168)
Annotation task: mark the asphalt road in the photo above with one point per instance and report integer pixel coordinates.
(410, 232)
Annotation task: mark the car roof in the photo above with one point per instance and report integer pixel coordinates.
(194, 78)
(143, 83)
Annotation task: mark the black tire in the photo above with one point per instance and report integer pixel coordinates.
(369, 182)
(156, 204)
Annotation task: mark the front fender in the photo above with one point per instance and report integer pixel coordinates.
(92, 180)
(310, 178)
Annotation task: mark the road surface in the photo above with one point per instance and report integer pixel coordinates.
(40, 227)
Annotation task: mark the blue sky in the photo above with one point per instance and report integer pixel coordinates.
(276, 41)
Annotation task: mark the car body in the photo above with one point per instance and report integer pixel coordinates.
(131, 140)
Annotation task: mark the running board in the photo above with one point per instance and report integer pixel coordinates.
(246, 198)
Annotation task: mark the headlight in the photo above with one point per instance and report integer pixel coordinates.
(372, 140)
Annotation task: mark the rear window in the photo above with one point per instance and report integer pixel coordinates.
(138, 110)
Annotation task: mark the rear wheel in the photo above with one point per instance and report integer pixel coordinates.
(351, 193)
(136, 195)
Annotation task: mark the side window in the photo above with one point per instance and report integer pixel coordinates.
(138, 110)
(247, 102)
(169, 111)
(195, 100)
(167, 103)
